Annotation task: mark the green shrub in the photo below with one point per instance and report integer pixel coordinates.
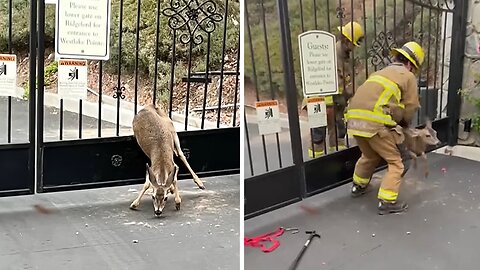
(475, 101)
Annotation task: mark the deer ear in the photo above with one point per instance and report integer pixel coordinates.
(151, 177)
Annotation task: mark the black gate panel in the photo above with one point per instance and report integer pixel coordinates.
(330, 171)
(16, 177)
(103, 162)
(210, 152)
(92, 163)
(269, 191)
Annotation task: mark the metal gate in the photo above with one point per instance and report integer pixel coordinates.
(277, 167)
(182, 54)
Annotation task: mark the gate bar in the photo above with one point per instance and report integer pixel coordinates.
(291, 93)
(456, 68)
(40, 91)
(32, 92)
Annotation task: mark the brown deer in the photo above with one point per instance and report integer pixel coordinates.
(417, 140)
(156, 136)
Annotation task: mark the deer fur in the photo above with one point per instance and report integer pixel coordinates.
(156, 136)
(417, 140)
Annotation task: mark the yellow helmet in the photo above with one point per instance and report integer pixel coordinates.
(412, 51)
(346, 30)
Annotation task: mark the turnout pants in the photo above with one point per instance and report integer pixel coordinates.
(382, 146)
(335, 126)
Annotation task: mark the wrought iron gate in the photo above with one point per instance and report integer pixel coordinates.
(279, 163)
(182, 54)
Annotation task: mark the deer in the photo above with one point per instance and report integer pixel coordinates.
(156, 135)
(417, 140)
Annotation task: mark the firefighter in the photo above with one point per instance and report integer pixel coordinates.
(375, 116)
(336, 103)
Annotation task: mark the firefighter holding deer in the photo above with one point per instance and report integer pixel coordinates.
(376, 114)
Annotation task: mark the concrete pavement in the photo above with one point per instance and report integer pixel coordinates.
(95, 229)
(439, 230)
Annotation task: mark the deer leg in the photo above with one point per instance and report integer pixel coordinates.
(414, 159)
(136, 202)
(179, 151)
(176, 192)
(425, 160)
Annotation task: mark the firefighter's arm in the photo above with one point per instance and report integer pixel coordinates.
(410, 100)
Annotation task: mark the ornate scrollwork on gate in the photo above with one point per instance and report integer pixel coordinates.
(116, 160)
(190, 16)
(340, 12)
(381, 47)
(444, 5)
(118, 92)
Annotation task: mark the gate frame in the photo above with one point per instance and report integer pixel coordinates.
(340, 173)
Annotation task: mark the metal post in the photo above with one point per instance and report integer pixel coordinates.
(40, 90)
(456, 68)
(291, 92)
(32, 91)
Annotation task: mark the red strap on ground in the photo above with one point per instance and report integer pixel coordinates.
(258, 241)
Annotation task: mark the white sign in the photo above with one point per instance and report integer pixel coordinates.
(52, 2)
(317, 112)
(8, 74)
(318, 62)
(268, 116)
(83, 29)
(72, 78)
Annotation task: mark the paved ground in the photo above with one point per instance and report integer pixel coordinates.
(440, 230)
(94, 229)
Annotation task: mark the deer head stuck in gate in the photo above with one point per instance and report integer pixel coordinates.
(417, 140)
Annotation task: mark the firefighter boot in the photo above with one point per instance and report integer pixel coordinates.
(317, 149)
(318, 139)
(358, 190)
(385, 207)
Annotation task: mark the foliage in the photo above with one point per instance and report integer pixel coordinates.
(50, 72)
(475, 101)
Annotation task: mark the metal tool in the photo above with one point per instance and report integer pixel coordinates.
(312, 234)
(293, 229)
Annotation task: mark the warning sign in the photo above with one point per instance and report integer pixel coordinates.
(317, 112)
(72, 78)
(268, 116)
(82, 29)
(8, 74)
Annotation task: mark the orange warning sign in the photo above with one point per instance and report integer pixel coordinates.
(315, 99)
(10, 58)
(266, 103)
(72, 63)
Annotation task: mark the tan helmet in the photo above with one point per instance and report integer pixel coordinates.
(413, 52)
(358, 34)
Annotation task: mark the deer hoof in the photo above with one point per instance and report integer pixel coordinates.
(133, 206)
(177, 206)
(200, 184)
